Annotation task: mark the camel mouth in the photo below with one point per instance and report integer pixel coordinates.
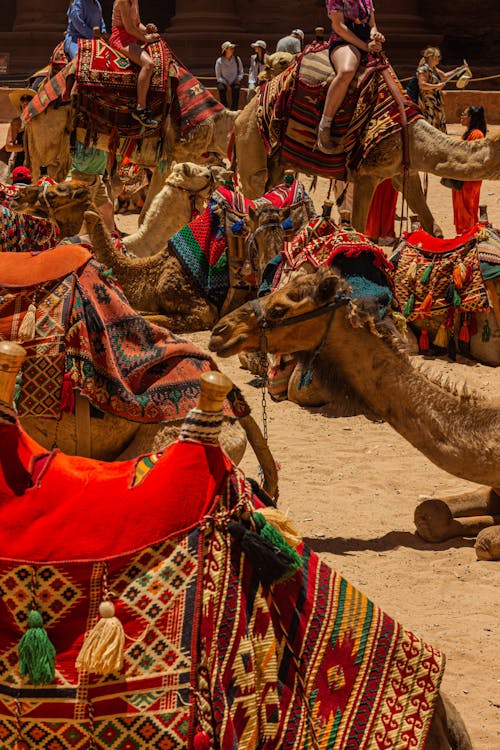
(226, 348)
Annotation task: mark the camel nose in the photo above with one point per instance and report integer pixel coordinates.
(219, 329)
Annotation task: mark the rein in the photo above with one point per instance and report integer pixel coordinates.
(210, 186)
(338, 301)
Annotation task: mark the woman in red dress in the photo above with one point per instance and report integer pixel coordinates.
(127, 34)
(466, 200)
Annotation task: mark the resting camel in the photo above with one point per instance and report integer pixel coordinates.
(63, 204)
(429, 151)
(346, 345)
(159, 284)
(185, 190)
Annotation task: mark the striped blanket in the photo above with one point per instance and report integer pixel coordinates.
(291, 104)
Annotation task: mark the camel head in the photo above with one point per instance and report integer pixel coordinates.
(265, 224)
(197, 178)
(64, 204)
(241, 331)
(275, 64)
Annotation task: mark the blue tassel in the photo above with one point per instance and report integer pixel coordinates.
(287, 224)
(237, 227)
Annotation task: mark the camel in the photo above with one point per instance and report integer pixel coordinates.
(185, 190)
(63, 204)
(159, 284)
(341, 340)
(275, 64)
(429, 151)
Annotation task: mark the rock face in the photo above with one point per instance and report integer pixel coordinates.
(29, 29)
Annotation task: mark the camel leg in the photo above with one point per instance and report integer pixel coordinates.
(364, 189)
(447, 730)
(487, 544)
(483, 501)
(435, 523)
(417, 202)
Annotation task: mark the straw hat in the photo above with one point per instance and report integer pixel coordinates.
(463, 80)
(16, 95)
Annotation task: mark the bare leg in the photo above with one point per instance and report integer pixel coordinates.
(345, 61)
(140, 57)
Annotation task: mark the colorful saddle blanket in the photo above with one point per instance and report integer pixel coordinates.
(291, 104)
(87, 337)
(101, 66)
(436, 277)
(216, 651)
(20, 233)
(202, 245)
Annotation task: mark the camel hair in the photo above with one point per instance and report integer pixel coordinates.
(349, 345)
(430, 150)
(63, 204)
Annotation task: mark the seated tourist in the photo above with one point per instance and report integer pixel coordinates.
(291, 43)
(128, 33)
(83, 17)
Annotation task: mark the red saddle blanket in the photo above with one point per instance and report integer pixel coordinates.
(101, 66)
(291, 105)
(214, 655)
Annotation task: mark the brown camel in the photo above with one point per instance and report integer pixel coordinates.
(64, 204)
(429, 151)
(159, 284)
(341, 341)
(185, 190)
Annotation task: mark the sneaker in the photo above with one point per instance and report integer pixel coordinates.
(144, 117)
(326, 144)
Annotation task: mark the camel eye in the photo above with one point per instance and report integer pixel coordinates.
(276, 312)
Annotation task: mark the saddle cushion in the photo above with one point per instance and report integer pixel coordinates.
(40, 268)
(101, 66)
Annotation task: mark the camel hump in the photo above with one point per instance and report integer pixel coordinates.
(41, 267)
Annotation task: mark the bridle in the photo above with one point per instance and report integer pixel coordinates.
(209, 186)
(252, 242)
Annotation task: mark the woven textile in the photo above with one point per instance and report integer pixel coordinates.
(291, 105)
(20, 232)
(51, 91)
(43, 369)
(310, 662)
(101, 66)
(420, 254)
(58, 59)
(192, 103)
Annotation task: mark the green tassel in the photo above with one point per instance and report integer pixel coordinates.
(426, 274)
(269, 532)
(18, 389)
(108, 274)
(409, 305)
(486, 332)
(37, 655)
(457, 300)
(288, 178)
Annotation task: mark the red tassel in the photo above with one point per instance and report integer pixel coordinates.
(468, 272)
(67, 395)
(423, 342)
(473, 325)
(450, 318)
(464, 334)
(201, 741)
(426, 305)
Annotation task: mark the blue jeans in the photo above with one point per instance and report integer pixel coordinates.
(71, 47)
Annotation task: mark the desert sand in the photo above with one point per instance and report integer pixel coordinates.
(352, 486)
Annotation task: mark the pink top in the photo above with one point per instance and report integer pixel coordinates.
(353, 10)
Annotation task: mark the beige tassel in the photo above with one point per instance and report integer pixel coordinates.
(102, 650)
(27, 329)
(286, 527)
(412, 270)
(441, 338)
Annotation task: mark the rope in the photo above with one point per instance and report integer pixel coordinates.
(484, 78)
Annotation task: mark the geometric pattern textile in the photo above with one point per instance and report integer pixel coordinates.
(209, 648)
(20, 233)
(101, 66)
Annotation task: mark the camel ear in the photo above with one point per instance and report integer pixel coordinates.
(29, 194)
(252, 213)
(326, 288)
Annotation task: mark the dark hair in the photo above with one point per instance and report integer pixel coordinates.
(477, 121)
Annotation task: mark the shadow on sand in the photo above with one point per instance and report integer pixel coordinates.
(392, 540)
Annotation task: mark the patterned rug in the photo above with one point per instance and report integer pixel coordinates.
(192, 103)
(216, 653)
(101, 66)
(51, 91)
(20, 233)
(436, 277)
(87, 333)
(291, 104)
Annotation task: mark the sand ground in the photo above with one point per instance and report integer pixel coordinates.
(352, 486)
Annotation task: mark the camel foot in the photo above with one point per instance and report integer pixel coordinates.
(480, 502)
(435, 523)
(447, 730)
(487, 544)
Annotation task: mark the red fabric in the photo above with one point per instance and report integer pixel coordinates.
(120, 38)
(426, 243)
(466, 200)
(380, 221)
(75, 502)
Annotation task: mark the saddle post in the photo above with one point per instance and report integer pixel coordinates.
(12, 356)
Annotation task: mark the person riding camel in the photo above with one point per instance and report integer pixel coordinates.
(126, 35)
(354, 34)
(83, 17)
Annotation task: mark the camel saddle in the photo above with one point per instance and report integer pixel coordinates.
(40, 268)
(163, 618)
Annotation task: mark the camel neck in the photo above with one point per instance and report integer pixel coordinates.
(456, 434)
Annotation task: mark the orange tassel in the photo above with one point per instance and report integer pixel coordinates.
(423, 342)
(426, 305)
(457, 278)
(464, 334)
